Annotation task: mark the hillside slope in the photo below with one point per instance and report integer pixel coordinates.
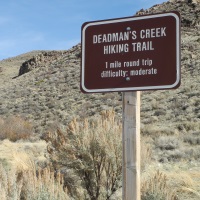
(48, 94)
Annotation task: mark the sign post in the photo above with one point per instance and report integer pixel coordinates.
(130, 55)
(131, 146)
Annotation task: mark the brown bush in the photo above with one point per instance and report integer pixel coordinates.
(15, 128)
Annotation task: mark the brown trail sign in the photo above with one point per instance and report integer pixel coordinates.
(135, 53)
(131, 54)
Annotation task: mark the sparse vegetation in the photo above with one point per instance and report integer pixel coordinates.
(31, 185)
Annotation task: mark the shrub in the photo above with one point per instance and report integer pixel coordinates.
(15, 128)
(29, 185)
(167, 142)
(44, 184)
(156, 188)
(189, 126)
(91, 151)
(192, 139)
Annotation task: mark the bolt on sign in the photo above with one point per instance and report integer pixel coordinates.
(131, 54)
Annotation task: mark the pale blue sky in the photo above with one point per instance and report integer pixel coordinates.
(27, 25)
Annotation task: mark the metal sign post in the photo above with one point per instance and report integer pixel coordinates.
(131, 146)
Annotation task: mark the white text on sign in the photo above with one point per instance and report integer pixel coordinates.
(127, 36)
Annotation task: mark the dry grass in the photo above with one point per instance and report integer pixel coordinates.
(23, 179)
(88, 154)
(156, 188)
(186, 183)
(44, 184)
(15, 128)
(21, 154)
(31, 185)
(146, 153)
(170, 184)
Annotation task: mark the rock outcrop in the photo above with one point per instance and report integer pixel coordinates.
(43, 59)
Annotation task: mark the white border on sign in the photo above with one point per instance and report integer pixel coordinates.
(134, 88)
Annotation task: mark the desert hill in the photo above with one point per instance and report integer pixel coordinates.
(43, 87)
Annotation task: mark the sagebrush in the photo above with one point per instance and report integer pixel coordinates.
(91, 152)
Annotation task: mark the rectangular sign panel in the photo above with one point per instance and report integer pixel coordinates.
(131, 54)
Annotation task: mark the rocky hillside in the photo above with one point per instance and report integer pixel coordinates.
(189, 10)
(43, 87)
